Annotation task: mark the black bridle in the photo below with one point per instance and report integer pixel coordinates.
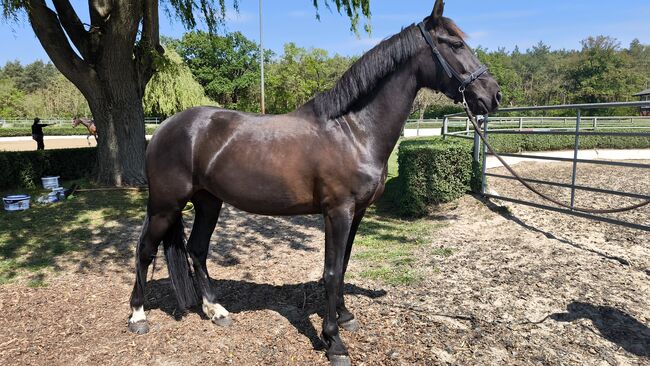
(451, 72)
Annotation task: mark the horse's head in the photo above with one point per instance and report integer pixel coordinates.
(75, 122)
(448, 65)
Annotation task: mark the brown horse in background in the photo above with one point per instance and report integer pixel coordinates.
(89, 124)
(327, 157)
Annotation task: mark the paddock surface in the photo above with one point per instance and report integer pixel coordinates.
(25, 143)
(521, 287)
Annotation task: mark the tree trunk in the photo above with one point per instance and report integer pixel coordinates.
(121, 141)
(111, 69)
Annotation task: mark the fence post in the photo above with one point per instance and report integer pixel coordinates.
(417, 129)
(521, 123)
(595, 123)
(445, 127)
(476, 149)
(575, 159)
(484, 160)
(466, 126)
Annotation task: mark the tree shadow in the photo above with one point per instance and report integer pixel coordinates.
(45, 237)
(238, 232)
(55, 236)
(295, 302)
(613, 324)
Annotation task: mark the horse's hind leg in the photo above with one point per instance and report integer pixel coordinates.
(207, 209)
(153, 230)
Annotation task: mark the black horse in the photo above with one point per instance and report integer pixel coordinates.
(328, 157)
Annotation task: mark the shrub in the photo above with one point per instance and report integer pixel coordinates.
(25, 168)
(432, 170)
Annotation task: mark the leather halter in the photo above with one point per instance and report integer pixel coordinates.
(451, 72)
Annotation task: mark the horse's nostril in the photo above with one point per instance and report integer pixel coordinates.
(499, 97)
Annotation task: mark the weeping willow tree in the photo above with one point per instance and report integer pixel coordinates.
(173, 88)
(110, 57)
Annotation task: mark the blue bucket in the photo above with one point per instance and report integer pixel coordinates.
(17, 202)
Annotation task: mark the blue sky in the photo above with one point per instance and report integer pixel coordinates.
(490, 23)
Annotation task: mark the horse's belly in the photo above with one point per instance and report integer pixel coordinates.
(264, 192)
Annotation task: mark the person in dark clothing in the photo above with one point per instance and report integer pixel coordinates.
(37, 133)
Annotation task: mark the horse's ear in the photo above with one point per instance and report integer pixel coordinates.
(438, 9)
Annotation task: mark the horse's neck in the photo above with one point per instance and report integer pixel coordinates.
(385, 111)
(86, 123)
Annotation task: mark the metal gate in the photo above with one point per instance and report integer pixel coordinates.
(582, 126)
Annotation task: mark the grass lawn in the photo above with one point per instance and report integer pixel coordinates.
(386, 244)
(31, 241)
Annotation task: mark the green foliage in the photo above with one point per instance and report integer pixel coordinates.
(172, 88)
(25, 168)
(226, 66)
(299, 74)
(352, 8)
(10, 98)
(600, 72)
(432, 171)
(38, 89)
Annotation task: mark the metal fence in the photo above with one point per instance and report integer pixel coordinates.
(589, 126)
(58, 121)
(426, 127)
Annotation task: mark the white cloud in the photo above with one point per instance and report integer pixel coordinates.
(298, 14)
(239, 17)
(477, 35)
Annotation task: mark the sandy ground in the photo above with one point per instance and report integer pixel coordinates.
(522, 287)
(51, 142)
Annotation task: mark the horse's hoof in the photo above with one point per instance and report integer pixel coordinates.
(141, 327)
(340, 360)
(351, 325)
(224, 321)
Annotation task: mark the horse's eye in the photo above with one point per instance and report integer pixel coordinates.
(457, 45)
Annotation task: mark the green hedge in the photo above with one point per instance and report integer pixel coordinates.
(518, 143)
(25, 168)
(56, 131)
(432, 170)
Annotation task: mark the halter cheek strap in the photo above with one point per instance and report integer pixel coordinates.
(451, 72)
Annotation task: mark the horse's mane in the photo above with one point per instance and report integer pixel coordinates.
(365, 74)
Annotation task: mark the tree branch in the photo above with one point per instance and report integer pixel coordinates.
(100, 10)
(149, 42)
(47, 28)
(73, 26)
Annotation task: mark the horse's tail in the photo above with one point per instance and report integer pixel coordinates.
(178, 265)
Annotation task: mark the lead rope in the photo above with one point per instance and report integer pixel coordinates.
(530, 187)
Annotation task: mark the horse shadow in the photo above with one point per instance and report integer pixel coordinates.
(613, 324)
(295, 302)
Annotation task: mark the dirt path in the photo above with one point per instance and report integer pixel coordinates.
(524, 288)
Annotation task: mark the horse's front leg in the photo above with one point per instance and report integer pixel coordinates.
(338, 222)
(88, 139)
(345, 318)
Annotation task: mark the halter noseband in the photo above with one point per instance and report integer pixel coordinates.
(451, 72)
